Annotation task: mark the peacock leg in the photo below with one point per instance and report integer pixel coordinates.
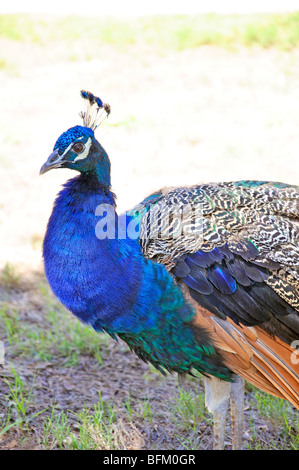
(217, 396)
(181, 380)
(237, 412)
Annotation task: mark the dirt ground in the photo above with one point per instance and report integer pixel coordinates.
(177, 118)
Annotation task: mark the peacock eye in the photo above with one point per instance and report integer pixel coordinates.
(78, 147)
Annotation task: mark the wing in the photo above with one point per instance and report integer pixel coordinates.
(234, 250)
(235, 245)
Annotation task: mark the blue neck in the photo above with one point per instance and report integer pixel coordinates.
(81, 268)
(102, 168)
(97, 167)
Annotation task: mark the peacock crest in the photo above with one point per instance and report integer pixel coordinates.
(95, 110)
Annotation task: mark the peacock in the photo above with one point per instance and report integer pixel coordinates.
(201, 278)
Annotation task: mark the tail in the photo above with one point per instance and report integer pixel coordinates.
(276, 367)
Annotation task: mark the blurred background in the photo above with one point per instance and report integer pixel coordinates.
(198, 94)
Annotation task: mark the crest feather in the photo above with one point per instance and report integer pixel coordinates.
(95, 110)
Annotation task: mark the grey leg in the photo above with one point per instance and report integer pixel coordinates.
(217, 399)
(237, 412)
(182, 380)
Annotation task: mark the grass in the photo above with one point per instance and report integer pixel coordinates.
(284, 423)
(167, 32)
(190, 409)
(19, 396)
(18, 402)
(190, 415)
(96, 429)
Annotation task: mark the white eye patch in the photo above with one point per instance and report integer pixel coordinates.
(84, 154)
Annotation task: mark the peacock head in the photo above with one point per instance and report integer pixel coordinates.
(77, 148)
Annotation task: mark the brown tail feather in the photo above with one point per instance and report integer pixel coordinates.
(259, 358)
(278, 368)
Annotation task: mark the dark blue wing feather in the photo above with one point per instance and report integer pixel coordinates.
(199, 283)
(222, 279)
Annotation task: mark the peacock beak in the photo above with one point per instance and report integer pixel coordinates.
(54, 161)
